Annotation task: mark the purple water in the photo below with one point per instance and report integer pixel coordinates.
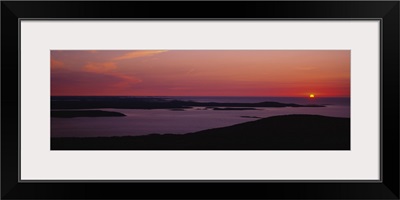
(142, 122)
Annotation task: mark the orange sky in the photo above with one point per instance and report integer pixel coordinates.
(294, 73)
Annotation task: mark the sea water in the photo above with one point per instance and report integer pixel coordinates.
(162, 121)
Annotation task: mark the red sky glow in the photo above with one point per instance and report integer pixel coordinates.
(291, 73)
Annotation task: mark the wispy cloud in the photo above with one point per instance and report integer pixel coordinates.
(56, 64)
(108, 68)
(125, 80)
(100, 67)
(138, 54)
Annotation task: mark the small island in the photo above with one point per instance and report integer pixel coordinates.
(250, 117)
(230, 108)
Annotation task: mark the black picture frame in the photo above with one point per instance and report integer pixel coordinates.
(13, 11)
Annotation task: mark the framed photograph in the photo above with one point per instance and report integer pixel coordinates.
(300, 98)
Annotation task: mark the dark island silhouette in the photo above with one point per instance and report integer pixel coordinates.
(84, 113)
(287, 132)
(235, 108)
(156, 103)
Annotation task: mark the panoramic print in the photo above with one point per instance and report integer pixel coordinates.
(200, 99)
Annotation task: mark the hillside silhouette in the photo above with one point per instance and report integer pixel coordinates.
(287, 132)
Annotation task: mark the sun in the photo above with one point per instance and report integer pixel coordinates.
(312, 95)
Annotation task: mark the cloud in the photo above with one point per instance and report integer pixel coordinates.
(138, 54)
(108, 68)
(99, 67)
(56, 64)
(125, 80)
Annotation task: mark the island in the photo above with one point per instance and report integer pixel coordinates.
(84, 113)
(155, 103)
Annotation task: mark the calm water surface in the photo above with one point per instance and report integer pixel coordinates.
(142, 122)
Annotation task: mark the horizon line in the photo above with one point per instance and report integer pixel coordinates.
(190, 96)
